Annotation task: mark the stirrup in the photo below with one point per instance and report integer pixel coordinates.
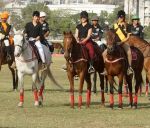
(104, 73)
(13, 65)
(130, 71)
(91, 69)
(43, 67)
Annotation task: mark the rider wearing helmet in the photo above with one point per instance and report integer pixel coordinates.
(33, 31)
(97, 31)
(121, 29)
(45, 31)
(83, 36)
(135, 28)
(5, 33)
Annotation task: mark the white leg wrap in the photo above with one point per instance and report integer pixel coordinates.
(40, 49)
(6, 42)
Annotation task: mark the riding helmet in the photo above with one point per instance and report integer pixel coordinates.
(95, 18)
(84, 14)
(36, 13)
(121, 14)
(135, 17)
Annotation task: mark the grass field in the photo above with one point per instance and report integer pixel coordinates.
(56, 111)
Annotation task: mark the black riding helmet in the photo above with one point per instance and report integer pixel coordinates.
(121, 14)
(84, 14)
(36, 13)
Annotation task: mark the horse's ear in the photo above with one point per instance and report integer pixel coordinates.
(64, 33)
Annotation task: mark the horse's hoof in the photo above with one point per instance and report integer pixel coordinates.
(102, 105)
(36, 103)
(111, 106)
(134, 107)
(20, 104)
(40, 103)
(120, 107)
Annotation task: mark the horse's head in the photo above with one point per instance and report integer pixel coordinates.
(18, 43)
(110, 37)
(68, 41)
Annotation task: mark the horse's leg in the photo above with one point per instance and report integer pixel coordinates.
(13, 72)
(129, 82)
(102, 89)
(138, 78)
(106, 85)
(42, 86)
(94, 81)
(71, 80)
(88, 93)
(21, 86)
(120, 77)
(146, 86)
(35, 89)
(110, 78)
(81, 76)
(125, 88)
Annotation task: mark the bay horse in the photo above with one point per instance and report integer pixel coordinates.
(3, 61)
(77, 64)
(27, 63)
(116, 65)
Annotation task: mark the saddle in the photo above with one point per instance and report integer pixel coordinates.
(35, 50)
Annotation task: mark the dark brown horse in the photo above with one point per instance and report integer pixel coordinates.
(58, 46)
(77, 64)
(3, 61)
(116, 65)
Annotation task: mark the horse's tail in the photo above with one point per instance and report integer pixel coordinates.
(50, 75)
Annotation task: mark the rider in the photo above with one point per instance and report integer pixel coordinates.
(45, 31)
(83, 36)
(97, 31)
(135, 28)
(5, 33)
(33, 31)
(121, 29)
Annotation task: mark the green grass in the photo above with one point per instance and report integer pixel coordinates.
(56, 112)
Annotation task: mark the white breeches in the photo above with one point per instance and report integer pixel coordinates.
(41, 51)
(6, 42)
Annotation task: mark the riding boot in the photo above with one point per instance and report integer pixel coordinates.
(91, 68)
(8, 50)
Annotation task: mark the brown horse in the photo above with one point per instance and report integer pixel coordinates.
(3, 61)
(58, 46)
(116, 65)
(77, 64)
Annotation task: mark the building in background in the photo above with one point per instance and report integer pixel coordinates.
(142, 9)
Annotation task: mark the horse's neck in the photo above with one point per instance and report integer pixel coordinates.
(142, 45)
(28, 51)
(76, 51)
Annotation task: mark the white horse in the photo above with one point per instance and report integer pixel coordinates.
(27, 64)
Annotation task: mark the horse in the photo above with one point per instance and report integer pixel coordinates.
(27, 63)
(58, 46)
(116, 65)
(77, 64)
(3, 61)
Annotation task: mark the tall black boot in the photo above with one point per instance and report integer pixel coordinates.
(9, 52)
(91, 68)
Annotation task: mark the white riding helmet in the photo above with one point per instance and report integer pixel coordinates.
(42, 14)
